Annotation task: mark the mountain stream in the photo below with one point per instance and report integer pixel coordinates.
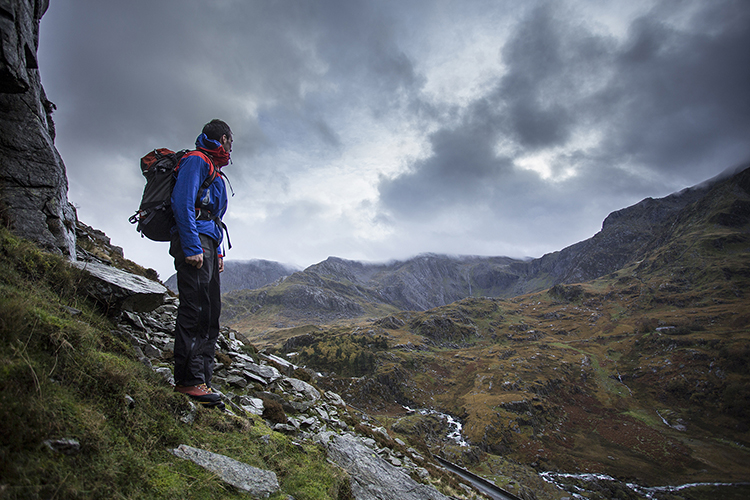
(575, 484)
(571, 483)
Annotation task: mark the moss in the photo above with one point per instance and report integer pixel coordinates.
(64, 376)
(273, 411)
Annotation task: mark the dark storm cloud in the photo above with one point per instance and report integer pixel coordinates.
(681, 96)
(533, 106)
(359, 40)
(550, 60)
(670, 99)
(140, 66)
(131, 76)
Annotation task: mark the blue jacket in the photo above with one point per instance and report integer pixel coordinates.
(187, 195)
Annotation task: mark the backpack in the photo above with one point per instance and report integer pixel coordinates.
(154, 216)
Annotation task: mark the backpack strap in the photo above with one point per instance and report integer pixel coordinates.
(213, 172)
(204, 214)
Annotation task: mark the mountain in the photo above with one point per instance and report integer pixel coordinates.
(609, 387)
(239, 275)
(338, 289)
(617, 387)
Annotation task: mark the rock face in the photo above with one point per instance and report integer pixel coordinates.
(33, 183)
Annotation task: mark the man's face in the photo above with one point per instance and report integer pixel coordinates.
(226, 141)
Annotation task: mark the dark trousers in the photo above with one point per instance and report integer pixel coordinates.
(198, 314)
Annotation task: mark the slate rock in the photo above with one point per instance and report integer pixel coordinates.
(252, 405)
(65, 446)
(236, 381)
(120, 289)
(257, 482)
(334, 398)
(266, 372)
(300, 388)
(372, 478)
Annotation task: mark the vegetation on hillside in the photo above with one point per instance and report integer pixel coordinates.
(642, 374)
(65, 375)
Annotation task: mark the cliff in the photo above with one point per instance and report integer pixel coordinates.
(33, 184)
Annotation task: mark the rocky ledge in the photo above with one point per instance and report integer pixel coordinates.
(259, 383)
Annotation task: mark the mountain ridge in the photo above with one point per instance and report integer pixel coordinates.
(337, 288)
(638, 377)
(241, 274)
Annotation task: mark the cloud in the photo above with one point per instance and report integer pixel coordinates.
(679, 94)
(380, 129)
(592, 115)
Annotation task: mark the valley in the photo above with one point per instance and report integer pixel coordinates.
(640, 374)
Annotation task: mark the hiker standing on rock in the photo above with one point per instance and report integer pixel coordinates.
(199, 201)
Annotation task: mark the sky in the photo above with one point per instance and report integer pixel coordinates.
(375, 130)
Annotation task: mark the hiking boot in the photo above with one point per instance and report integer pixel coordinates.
(201, 394)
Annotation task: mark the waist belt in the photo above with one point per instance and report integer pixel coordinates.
(203, 214)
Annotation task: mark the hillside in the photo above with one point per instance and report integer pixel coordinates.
(642, 374)
(88, 409)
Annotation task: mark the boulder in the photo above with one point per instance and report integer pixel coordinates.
(300, 389)
(372, 478)
(259, 483)
(119, 289)
(334, 398)
(266, 372)
(252, 405)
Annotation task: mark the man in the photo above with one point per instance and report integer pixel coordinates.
(199, 201)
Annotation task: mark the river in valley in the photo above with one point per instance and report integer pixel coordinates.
(587, 486)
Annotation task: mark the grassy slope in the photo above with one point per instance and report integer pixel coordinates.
(67, 376)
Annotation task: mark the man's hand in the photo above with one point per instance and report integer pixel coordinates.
(221, 264)
(195, 260)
